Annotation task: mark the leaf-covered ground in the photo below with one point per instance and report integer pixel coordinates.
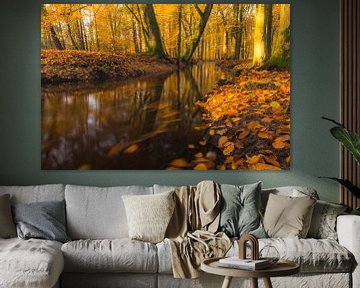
(72, 66)
(247, 125)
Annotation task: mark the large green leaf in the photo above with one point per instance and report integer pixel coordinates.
(348, 185)
(348, 138)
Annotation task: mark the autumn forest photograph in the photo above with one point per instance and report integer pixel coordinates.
(165, 86)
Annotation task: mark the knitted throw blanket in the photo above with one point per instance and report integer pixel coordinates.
(191, 232)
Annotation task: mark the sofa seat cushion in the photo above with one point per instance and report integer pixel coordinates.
(30, 263)
(313, 255)
(115, 255)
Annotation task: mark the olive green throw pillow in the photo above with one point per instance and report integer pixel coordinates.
(149, 215)
(240, 210)
(7, 226)
(288, 217)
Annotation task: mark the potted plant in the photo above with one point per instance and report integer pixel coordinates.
(351, 141)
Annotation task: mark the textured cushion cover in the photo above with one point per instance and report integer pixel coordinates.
(323, 223)
(240, 210)
(117, 255)
(98, 213)
(44, 220)
(32, 263)
(7, 227)
(149, 215)
(287, 216)
(313, 255)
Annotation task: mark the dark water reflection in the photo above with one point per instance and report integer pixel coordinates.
(92, 126)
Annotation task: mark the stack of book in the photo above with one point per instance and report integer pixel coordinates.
(248, 264)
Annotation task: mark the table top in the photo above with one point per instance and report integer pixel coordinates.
(281, 268)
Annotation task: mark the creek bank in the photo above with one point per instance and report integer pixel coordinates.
(79, 66)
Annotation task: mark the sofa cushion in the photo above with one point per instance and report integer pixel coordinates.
(30, 263)
(42, 220)
(37, 193)
(7, 226)
(240, 210)
(291, 191)
(287, 216)
(149, 215)
(313, 255)
(98, 213)
(117, 255)
(323, 222)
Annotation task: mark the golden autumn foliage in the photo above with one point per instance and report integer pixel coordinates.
(248, 124)
(71, 66)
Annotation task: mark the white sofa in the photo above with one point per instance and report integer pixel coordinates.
(101, 255)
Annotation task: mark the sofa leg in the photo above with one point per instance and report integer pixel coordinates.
(227, 282)
(254, 282)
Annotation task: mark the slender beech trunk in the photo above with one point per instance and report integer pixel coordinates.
(159, 49)
(204, 17)
(268, 30)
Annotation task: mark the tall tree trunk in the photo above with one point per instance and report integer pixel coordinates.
(280, 43)
(96, 33)
(204, 17)
(179, 34)
(73, 42)
(62, 36)
(135, 37)
(259, 36)
(237, 30)
(159, 49)
(140, 21)
(55, 38)
(80, 35)
(84, 36)
(268, 30)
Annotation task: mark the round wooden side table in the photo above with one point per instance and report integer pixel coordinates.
(281, 268)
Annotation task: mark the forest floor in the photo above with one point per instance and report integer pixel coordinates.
(74, 66)
(247, 123)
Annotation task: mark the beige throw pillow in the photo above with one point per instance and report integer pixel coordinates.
(7, 226)
(288, 217)
(148, 215)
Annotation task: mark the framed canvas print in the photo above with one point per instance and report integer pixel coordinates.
(165, 86)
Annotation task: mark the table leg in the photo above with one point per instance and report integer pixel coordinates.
(227, 282)
(267, 283)
(254, 282)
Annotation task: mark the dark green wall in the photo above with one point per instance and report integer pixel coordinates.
(314, 93)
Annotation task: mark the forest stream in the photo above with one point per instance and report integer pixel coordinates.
(138, 123)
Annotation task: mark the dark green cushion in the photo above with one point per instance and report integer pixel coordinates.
(240, 210)
(43, 220)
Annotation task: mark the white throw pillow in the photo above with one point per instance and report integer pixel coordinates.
(149, 215)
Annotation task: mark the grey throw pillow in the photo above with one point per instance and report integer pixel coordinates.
(240, 213)
(43, 220)
(7, 226)
(323, 222)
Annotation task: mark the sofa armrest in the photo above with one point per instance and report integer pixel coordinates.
(348, 230)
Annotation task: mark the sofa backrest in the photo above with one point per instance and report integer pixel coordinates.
(293, 191)
(98, 212)
(37, 193)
